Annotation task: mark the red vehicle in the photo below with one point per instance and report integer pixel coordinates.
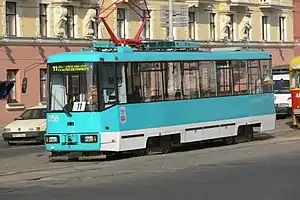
(295, 89)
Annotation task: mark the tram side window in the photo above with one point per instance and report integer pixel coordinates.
(151, 81)
(267, 75)
(133, 75)
(239, 77)
(224, 78)
(191, 80)
(207, 73)
(174, 80)
(254, 77)
(107, 82)
(121, 82)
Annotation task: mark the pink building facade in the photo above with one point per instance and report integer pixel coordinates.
(29, 59)
(297, 25)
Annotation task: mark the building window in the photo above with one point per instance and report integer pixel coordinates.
(11, 76)
(95, 25)
(281, 28)
(192, 24)
(43, 85)
(212, 26)
(121, 23)
(43, 20)
(264, 28)
(247, 33)
(11, 18)
(230, 29)
(146, 30)
(70, 22)
(167, 33)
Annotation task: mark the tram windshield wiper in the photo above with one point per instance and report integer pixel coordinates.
(60, 105)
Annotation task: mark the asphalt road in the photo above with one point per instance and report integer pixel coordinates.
(7, 151)
(261, 172)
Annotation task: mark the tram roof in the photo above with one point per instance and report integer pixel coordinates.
(123, 55)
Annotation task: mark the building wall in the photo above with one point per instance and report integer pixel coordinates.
(28, 61)
(296, 25)
(28, 49)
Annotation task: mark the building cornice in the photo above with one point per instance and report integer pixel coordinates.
(61, 42)
(251, 44)
(29, 41)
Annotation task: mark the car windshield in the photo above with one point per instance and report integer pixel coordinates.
(39, 113)
(281, 86)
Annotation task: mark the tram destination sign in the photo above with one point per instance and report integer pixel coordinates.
(180, 16)
(69, 68)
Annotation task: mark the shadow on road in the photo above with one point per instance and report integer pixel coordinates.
(290, 124)
(263, 136)
(5, 145)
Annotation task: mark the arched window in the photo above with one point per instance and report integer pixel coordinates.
(228, 32)
(247, 33)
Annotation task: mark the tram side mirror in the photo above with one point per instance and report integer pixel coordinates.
(24, 85)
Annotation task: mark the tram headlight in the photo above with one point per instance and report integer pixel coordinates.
(52, 139)
(89, 138)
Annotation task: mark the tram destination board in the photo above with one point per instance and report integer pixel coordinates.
(69, 68)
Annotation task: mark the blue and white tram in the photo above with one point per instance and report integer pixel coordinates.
(117, 99)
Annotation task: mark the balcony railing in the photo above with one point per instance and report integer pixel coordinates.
(240, 2)
(270, 3)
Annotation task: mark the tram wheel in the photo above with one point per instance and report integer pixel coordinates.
(165, 145)
(249, 133)
(140, 152)
(229, 140)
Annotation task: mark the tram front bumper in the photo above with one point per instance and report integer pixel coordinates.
(83, 142)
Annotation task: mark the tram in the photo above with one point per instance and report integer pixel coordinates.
(133, 96)
(114, 99)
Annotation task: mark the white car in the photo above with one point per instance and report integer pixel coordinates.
(30, 126)
(282, 94)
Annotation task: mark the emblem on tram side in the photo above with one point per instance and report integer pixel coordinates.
(123, 115)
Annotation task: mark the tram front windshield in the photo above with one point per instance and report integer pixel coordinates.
(295, 79)
(73, 82)
(81, 86)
